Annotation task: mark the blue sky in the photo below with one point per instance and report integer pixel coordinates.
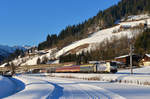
(28, 22)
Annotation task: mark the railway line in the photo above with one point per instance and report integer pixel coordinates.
(27, 67)
(108, 67)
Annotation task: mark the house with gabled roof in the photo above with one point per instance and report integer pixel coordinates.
(146, 60)
(126, 59)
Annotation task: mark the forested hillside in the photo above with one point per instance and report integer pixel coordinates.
(142, 43)
(103, 19)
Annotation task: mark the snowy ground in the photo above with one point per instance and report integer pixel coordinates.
(9, 86)
(35, 88)
(46, 87)
(43, 86)
(140, 71)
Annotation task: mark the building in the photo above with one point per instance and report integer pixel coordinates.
(146, 60)
(31, 51)
(126, 59)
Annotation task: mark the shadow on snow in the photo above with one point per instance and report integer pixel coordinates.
(18, 86)
(57, 92)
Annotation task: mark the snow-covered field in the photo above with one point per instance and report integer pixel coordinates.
(34, 88)
(46, 87)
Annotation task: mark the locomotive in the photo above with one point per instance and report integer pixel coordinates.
(92, 67)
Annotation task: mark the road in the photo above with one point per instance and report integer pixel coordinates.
(42, 87)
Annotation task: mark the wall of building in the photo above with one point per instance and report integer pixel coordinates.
(146, 63)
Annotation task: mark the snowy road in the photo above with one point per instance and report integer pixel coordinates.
(41, 87)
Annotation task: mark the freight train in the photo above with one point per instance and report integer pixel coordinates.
(95, 67)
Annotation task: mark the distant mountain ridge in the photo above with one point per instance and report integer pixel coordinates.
(5, 50)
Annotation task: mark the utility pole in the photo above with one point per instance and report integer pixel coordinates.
(131, 64)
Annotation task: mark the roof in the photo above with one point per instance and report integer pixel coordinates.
(127, 56)
(121, 56)
(148, 55)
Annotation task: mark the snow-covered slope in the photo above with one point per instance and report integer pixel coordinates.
(32, 58)
(108, 33)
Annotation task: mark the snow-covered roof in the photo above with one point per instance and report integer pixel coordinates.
(3, 65)
(148, 55)
(126, 56)
(121, 56)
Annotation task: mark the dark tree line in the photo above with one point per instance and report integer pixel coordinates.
(50, 41)
(78, 59)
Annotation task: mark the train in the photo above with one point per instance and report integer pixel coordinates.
(93, 67)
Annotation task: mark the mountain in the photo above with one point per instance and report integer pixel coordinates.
(103, 19)
(124, 20)
(1, 58)
(5, 50)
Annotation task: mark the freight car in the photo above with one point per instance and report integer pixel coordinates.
(105, 67)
